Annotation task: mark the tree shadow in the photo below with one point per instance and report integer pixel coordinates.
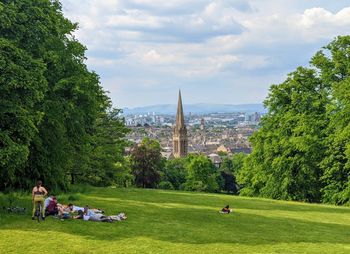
(189, 198)
(190, 223)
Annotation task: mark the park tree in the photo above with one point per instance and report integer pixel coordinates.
(202, 174)
(107, 164)
(175, 172)
(22, 88)
(146, 163)
(301, 151)
(238, 162)
(68, 97)
(333, 63)
(228, 182)
(289, 145)
(229, 170)
(227, 179)
(123, 176)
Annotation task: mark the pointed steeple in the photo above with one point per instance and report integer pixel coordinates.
(180, 119)
(180, 142)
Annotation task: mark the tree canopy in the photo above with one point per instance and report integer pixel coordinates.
(146, 163)
(51, 105)
(301, 150)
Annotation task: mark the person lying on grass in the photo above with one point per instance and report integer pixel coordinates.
(97, 215)
(86, 213)
(66, 211)
(91, 211)
(226, 210)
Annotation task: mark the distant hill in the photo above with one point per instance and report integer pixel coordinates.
(200, 108)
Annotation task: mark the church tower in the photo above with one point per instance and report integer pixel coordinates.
(180, 141)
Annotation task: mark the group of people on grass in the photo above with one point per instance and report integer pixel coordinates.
(50, 206)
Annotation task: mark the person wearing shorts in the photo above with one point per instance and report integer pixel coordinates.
(38, 194)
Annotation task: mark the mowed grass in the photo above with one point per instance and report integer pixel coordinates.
(162, 221)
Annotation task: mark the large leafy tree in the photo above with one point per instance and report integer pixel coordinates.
(22, 87)
(302, 150)
(202, 174)
(229, 170)
(175, 172)
(73, 99)
(334, 65)
(106, 163)
(146, 163)
(288, 147)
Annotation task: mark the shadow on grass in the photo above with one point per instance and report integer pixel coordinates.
(219, 200)
(188, 223)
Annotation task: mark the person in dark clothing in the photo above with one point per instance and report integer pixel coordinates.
(52, 208)
(226, 209)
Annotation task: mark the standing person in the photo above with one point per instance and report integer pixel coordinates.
(38, 194)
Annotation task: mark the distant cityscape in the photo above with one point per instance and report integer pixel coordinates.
(208, 133)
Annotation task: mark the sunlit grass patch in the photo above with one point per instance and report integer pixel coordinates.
(181, 222)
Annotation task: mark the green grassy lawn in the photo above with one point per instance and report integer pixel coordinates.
(181, 222)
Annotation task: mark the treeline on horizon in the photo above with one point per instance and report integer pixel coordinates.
(147, 168)
(57, 123)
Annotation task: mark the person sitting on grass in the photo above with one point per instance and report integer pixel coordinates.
(38, 194)
(52, 207)
(48, 199)
(64, 211)
(226, 210)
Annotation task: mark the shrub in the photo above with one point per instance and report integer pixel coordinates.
(79, 188)
(73, 197)
(212, 185)
(165, 185)
(195, 186)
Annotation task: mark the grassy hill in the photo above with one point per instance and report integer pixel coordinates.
(181, 222)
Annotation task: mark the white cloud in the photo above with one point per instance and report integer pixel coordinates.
(152, 44)
(319, 23)
(134, 19)
(153, 57)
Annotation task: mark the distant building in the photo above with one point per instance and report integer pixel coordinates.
(246, 150)
(215, 158)
(202, 126)
(180, 142)
(223, 149)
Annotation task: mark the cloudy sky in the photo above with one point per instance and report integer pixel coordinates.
(219, 51)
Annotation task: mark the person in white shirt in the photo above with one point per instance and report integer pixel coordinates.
(77, 208)
(48, 199)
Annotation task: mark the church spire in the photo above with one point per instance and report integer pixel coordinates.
(180, 119)
(180, 141)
